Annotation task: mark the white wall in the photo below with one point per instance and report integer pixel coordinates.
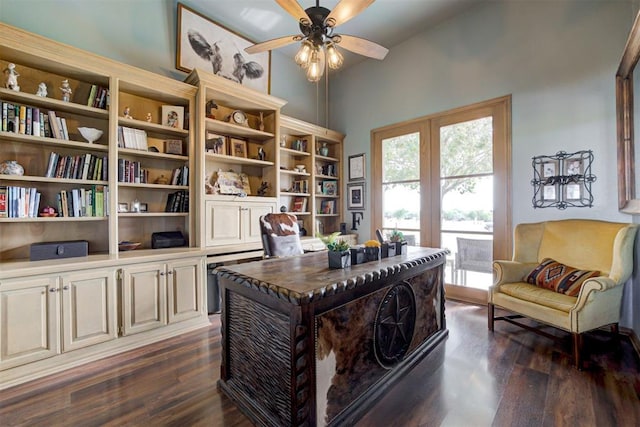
(556, 58)
(143, 33)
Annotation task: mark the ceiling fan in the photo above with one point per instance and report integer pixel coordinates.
(317, 25)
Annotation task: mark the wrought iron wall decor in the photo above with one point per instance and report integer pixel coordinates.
(563, 180)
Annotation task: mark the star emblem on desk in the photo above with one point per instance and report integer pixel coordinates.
(395, 323)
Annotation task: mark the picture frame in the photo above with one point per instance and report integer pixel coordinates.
(356, 167)
(549, 193)
(144, 207)
(123, 207)
(215, 144)
(238, 147)
(573, 166)
(573, 192)
(173, 146)
(198, 36)
(330, 188)
(355, 196)
(549, 168)
(173, 116)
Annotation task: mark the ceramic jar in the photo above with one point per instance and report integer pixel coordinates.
(11, 167)
(324, 150)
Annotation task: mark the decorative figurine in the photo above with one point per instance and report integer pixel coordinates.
(261, 122)
(211, 108)
(149, 118)
(42, 90)
(66, 90)
(12, 77)
(261, 154)
(264, 187)
(127, 113)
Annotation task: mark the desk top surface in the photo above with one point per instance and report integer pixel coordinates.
(308, 277)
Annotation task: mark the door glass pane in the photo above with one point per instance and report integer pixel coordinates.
(401, 185)
(466, 191)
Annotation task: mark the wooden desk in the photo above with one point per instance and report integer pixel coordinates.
(306, 345)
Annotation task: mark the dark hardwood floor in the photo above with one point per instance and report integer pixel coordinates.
(511, 377)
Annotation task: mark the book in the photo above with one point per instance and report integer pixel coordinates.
(5, 106)
(92, 96)
(51, 167)
(35, 122)
(22, 117)
(28, 119)
(63, 127)
(3, 201)
(54, 124)
(99, 200)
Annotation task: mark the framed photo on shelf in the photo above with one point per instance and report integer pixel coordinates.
(299, 204)
(204, 43)
(215, 144)
(356, 167)
(173, 116)
(238, 147)
(355, 196)
(330, 188)
(123, 207)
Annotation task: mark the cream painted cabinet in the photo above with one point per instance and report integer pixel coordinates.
(144, 297)
(43, 316)
(185, 280)
(28, 320)
(154, 294)
(88, 308)
(230, 222)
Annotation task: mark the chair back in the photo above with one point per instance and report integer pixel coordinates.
(474, 255)
(280, 235)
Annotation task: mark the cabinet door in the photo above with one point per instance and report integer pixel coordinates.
(88, 308)
(251, 220)
(29, 320)
(144, 297)
(223, 223)
(185, 282)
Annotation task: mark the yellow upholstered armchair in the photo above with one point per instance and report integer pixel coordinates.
(568, 274)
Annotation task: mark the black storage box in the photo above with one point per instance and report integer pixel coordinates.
(167, 239)
(56, 250)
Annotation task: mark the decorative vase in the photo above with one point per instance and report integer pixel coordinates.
(339, 259)
(324, 150)
(11, 167)
(401, 247)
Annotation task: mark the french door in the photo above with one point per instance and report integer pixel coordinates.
(444, 181)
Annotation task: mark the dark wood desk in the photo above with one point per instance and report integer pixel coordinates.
(306, 345)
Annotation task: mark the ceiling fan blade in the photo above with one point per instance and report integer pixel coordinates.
(272, 44)
(362, 46)
(294, 9)
(345, 10)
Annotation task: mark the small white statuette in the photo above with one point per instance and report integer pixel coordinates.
(12, 77)
(42, 90)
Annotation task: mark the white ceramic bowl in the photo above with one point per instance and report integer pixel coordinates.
(90, 134)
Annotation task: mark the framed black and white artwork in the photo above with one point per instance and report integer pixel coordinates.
(356, 167)
(208, 45)
(355, 196)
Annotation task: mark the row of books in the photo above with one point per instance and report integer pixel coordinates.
(135, 139)
(83, 202)
(19, 202)
(27, 120)
(133, 172)
(180, 176)
(177, 202)
(82, 166)
(98, 97)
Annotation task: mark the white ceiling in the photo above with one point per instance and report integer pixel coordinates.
(386, 22)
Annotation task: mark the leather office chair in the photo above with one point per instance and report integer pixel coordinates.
(280, 235)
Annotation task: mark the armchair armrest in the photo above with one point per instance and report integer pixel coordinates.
(510, 271)
(599, 284)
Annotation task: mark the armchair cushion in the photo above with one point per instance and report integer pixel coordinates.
(550, 274)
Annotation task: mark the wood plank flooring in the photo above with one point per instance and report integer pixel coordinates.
(511, 377)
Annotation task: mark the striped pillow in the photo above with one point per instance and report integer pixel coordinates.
(558, 277)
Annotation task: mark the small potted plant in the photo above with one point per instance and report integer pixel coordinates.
(371, 250)
(339, 255)
(397, 237)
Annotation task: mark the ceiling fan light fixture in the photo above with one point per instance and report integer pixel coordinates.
(315, 70)
(303, 57)
(334, 57)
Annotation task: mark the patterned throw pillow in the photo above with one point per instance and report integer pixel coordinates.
(558, 277)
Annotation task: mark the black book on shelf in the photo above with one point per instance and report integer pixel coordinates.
(170, 198)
